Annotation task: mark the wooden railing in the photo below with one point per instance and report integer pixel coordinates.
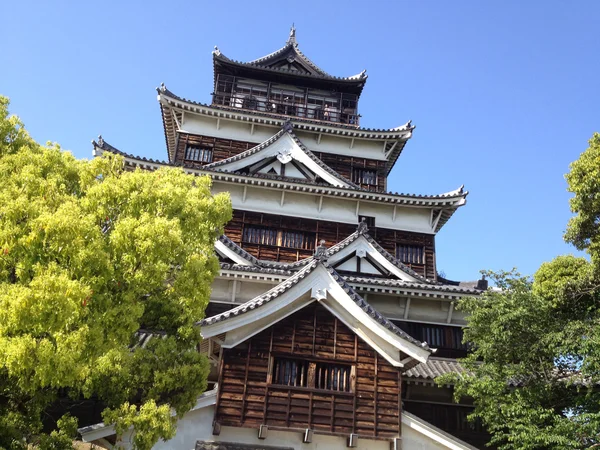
(286, 108)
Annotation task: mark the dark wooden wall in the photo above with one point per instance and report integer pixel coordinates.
(247, 399)
(344, 165)
(225, 148)
(222, 148)
(331, 232)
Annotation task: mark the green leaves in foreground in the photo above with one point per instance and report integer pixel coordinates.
(535, 365)
(89, 254)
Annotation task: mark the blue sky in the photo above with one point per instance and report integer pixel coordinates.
(504, 94)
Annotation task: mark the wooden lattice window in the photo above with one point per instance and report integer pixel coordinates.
(260, 235)
(298, 239)
(410, 254)
(282, 238)
(365, 176)
(333, 377)
(310, 374)
(290, 372)
(198, 154)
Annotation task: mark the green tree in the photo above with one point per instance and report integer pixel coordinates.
(91, 253)
(534, 372)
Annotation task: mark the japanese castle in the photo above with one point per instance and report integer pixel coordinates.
(328, 322)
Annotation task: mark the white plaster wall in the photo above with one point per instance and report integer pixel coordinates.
(241, 131)
(197, 425)
(413, 440)
(261, 199)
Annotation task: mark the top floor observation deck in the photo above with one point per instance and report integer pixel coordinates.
(286, 82)
(293, 101)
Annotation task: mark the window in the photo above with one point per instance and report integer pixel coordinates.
(250, 102)
(283, 238)
(198, 154)
(365, 176)
(289, 372)
(370, 221)
(333, 377)
(410, 254)
(258, 235)
(294, 239)
(317, 375)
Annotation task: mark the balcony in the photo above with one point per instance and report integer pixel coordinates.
(286, 108)
(323, 106)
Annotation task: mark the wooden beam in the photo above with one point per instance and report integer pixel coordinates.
(406, 308)
(252, 129)
(436, 220)
(352, 143)
(394, 214)
(218, 123)
(450, 311)
(245, 393)
(233, 289)
(176, 120)
(320, 203)
(282, 198)
(308, 435)
(244, 194)
(352, 440)
(357, 207)
(262, 432)
(319, 138)
(389, 152)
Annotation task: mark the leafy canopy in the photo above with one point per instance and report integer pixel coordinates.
(535, 365)
(89, 254)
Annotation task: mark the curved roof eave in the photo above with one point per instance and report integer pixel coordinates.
(403, 132)
(449, 202)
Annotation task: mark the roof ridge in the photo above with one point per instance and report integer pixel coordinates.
(287, 128)
(354, 192)
(285, 285)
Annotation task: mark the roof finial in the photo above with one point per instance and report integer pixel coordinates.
(292, 38)
(288, 126)
(320, 250)
(100, 141)
(362, 226)
(216, 51)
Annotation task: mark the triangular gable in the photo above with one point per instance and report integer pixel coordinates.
(360, 253)
(289, 57)
(316, 282)
(287, 156)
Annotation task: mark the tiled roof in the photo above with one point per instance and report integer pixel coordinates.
(292, 50)
(363, 231)
(401, 132)
(261, 262)
(287, 128)
(286, 285)
(449, 199)
(434, 368)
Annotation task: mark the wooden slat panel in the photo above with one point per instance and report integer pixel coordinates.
(246, 396)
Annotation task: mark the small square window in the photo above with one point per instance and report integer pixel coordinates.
(365, 176)
(410, 254)
(198, 154)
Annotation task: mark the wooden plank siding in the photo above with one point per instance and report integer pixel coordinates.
(248, 398)
(331, 232)
(221, 148)
(226, 148)
(345, 165)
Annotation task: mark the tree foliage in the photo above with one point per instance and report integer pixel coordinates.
(89, 254)
(534, 372)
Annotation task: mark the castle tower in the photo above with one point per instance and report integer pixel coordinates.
(328, 321)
